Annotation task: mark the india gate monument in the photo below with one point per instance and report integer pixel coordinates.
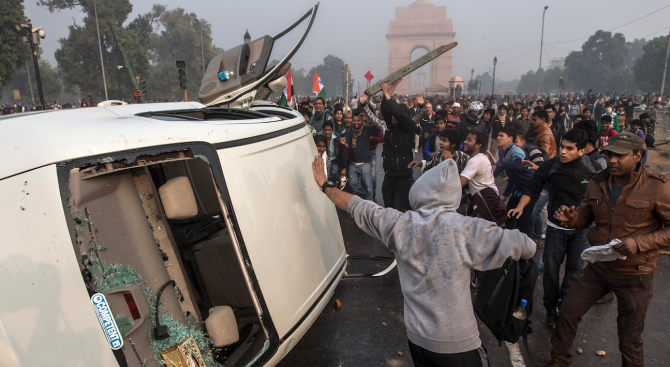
(421, 25)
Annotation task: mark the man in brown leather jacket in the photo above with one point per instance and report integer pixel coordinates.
(629, 203)
(544, 138)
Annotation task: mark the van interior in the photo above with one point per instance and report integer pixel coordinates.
(152, 236)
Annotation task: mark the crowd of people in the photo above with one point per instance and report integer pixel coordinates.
(580, 158)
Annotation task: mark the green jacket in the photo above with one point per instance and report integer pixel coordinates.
(615, 120)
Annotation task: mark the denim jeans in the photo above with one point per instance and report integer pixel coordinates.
(360, 180)
(373, 168)
(558, 245)
(334, 174)
(537, 214)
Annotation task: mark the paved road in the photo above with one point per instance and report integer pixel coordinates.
(368, 330)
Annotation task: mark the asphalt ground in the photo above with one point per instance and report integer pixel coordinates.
(368, 329)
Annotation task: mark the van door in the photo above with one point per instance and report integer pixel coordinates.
(289, 228)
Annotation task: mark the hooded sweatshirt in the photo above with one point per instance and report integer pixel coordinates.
(436, 248)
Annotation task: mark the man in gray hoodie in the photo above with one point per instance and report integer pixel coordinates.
(435, 248)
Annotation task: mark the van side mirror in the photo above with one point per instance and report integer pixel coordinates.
(178, 198)
(222, 327)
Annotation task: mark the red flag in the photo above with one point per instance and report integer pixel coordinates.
(368, 76)
(289, 87)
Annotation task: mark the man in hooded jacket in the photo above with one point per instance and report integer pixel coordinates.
(436, 249)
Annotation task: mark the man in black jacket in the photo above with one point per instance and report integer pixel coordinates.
(557, 128)
(568, 175)
(399, 131)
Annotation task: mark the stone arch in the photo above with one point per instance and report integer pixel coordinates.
(420, 73)
(420, 24)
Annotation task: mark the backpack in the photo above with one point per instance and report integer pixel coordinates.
(500, 293)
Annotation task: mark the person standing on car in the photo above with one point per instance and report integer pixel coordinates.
(632, 204)
(435, 248)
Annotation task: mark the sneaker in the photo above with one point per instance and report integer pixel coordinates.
(552, 317)
(606, 298)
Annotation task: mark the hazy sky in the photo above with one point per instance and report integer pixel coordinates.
(354, 30)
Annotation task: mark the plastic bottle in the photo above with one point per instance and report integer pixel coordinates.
(520, 312)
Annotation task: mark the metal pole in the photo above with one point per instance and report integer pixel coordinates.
(202, 44)
(30, 84)
(102, 66)
(472, 74)
(665, 69)
(33, 48)
(495, 61)
(541, 47)
(346, 85)
(119, 45)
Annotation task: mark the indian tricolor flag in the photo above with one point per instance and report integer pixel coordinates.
(317, 86)
(287, 95)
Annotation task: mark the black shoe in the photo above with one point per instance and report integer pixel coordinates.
(552, 316)
(606, 298)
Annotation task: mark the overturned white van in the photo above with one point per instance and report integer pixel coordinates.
(199, 231)
(175, 234)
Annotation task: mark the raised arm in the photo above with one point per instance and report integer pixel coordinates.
(339, 198)
(380, 124)
(489, 245)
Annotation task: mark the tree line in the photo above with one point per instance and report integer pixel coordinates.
(606, 62)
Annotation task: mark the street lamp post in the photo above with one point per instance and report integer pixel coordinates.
(202, 47)
(539, 68)
(32, 37)
(472, 74)
(247, 37)
(495, 61)
(665, 69)
(102, 66)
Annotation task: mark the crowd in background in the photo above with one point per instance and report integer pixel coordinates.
(571, 168)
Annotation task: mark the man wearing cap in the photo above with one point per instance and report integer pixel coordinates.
(455, 111)
(631, 204)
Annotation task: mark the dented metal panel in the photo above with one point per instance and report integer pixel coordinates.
(46, 317)
(300, 247)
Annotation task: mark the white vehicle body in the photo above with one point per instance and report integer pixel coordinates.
(286, 233)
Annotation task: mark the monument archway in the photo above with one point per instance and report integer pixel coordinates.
(420, 25)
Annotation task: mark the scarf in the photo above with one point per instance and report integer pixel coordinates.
(357, 133)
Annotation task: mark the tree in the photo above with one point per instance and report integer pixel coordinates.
(648, 69)
(13, 52)
(635, 50)
(528, 83)
(78, 57)
(331, 75)
(595, 66)
(486, 81)
(178, 37)
(51, 84)
(301, 83)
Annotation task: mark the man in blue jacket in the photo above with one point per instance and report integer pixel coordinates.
(518, 177)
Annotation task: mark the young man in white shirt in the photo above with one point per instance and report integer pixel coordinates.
(484, 199)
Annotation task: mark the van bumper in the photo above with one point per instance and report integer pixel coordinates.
(289, 341)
